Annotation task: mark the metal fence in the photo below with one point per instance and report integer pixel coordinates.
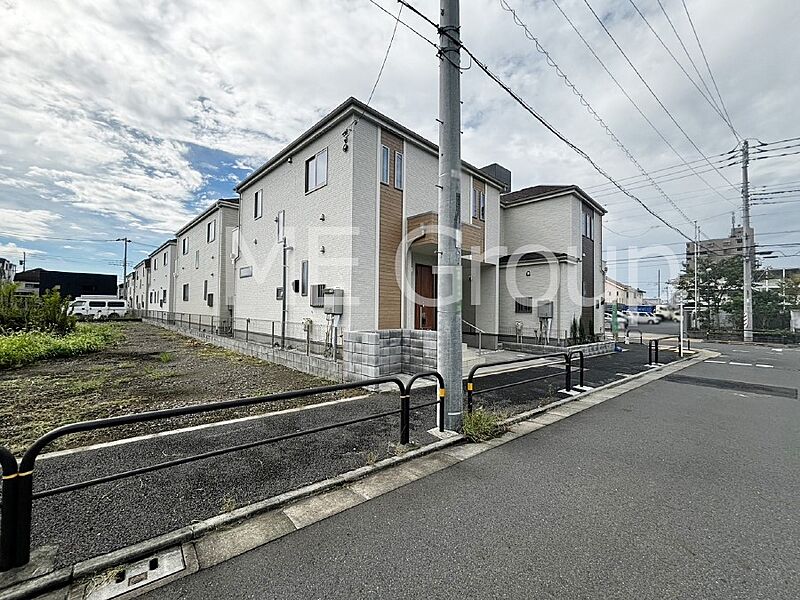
(18, 494)
(761, 336)
(317, 338)
(567, 357)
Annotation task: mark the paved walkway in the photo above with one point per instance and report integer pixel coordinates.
(679, 489)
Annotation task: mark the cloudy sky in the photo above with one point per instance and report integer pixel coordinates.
(126, 118)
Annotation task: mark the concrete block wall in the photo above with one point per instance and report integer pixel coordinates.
(593, 349)
(388, 352)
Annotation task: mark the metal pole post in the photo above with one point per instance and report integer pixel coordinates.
(582, 366)
(656, 350)
(22, 551)
(405, 414)
(448, 308)
(748, 250)
(272, 339)
(680, 330)
(284, 308)
(696, 250)
(568, 369)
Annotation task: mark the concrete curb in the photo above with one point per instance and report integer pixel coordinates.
(220, 538)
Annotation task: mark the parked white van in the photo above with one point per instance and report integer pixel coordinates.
(98, 307)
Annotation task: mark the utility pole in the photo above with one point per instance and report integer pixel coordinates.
(126, 241)
(659, 286)
(448, 287)
(748, 250)
(24, 260)
(696, 250)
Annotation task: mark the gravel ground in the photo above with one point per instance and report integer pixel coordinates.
(149, 369)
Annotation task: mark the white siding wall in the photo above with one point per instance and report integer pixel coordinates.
(552, 225)
(284, 189)
(210, 270)
(162, 279)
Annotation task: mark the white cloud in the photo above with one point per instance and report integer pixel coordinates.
(101, 102)
(14, 252)
(27, 224)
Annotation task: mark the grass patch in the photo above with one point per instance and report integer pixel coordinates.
(157, 374)
(165, 357)
(26, 347)
(481, 425)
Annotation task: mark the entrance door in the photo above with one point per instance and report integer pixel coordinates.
(425, 309)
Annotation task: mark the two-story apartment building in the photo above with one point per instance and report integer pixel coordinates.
(140, 290)
(161, 289)
(623, 294)
(552, 272)
(204, 283)
(355, 199)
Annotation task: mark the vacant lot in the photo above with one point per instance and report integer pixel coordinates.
(149, 368)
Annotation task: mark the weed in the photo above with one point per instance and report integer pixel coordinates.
(165, 357)
(372, 458)
(25, 347)
(481, 425)
(78, 387)
(153, 373)
(228, 504)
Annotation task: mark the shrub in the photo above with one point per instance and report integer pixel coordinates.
(49, 312)
(25, 347)
(481, 425)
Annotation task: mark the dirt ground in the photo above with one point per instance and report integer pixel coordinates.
(149, 369)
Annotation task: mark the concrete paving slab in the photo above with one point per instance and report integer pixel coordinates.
(316, 508)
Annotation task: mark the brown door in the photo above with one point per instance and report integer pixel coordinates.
(425, 309)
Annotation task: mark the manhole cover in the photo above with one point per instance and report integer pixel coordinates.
(115, 583)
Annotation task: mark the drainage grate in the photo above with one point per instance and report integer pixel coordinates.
(135, 576)
(739, 386)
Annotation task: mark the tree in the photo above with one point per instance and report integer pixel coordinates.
(717, 282)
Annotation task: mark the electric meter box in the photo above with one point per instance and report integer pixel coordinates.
(334, 301)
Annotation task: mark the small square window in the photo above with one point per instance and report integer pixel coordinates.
(245, 272)
(523, 305)
(317, 171)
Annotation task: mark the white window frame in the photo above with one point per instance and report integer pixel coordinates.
(197, 259)
(185, 292)
(205, 290)
(482, 206)
(312, 174)
(211, 231)
(245, 272)
(304, 278)
(258, 204)
(385, 154)
(398, 170)
(185, 245)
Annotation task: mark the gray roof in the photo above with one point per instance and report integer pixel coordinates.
(353, 106)
(544, 192)
(230, 202)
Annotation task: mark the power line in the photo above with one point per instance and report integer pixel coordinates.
(677, 62)
(386, 55)
(650, 89)
(628, 96)
(544, 122)
(406, 25)
(551, 61)
(705, 60)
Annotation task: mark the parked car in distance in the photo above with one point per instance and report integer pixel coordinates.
(98, 307)
(665, 311)
(637, 317)
(622, 321)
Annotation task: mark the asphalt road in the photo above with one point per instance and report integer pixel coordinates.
(102, 518)
(679, 489)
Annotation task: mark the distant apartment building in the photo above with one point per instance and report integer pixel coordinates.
(554, 235)
(8, 269)
(718, 249)
(139, 286)
(161, 288)
(623, 294)
(204, 282)
(69, 284)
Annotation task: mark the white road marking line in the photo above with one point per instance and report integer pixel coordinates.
(738, 364)
(765, 366)
(170, 432)
(777, 349)
(718, 362)
(745, 351)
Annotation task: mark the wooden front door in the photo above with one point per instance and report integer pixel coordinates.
(425, 309)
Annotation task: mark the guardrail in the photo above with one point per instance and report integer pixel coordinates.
(18, 494)
(652, 347)
(566, 356)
